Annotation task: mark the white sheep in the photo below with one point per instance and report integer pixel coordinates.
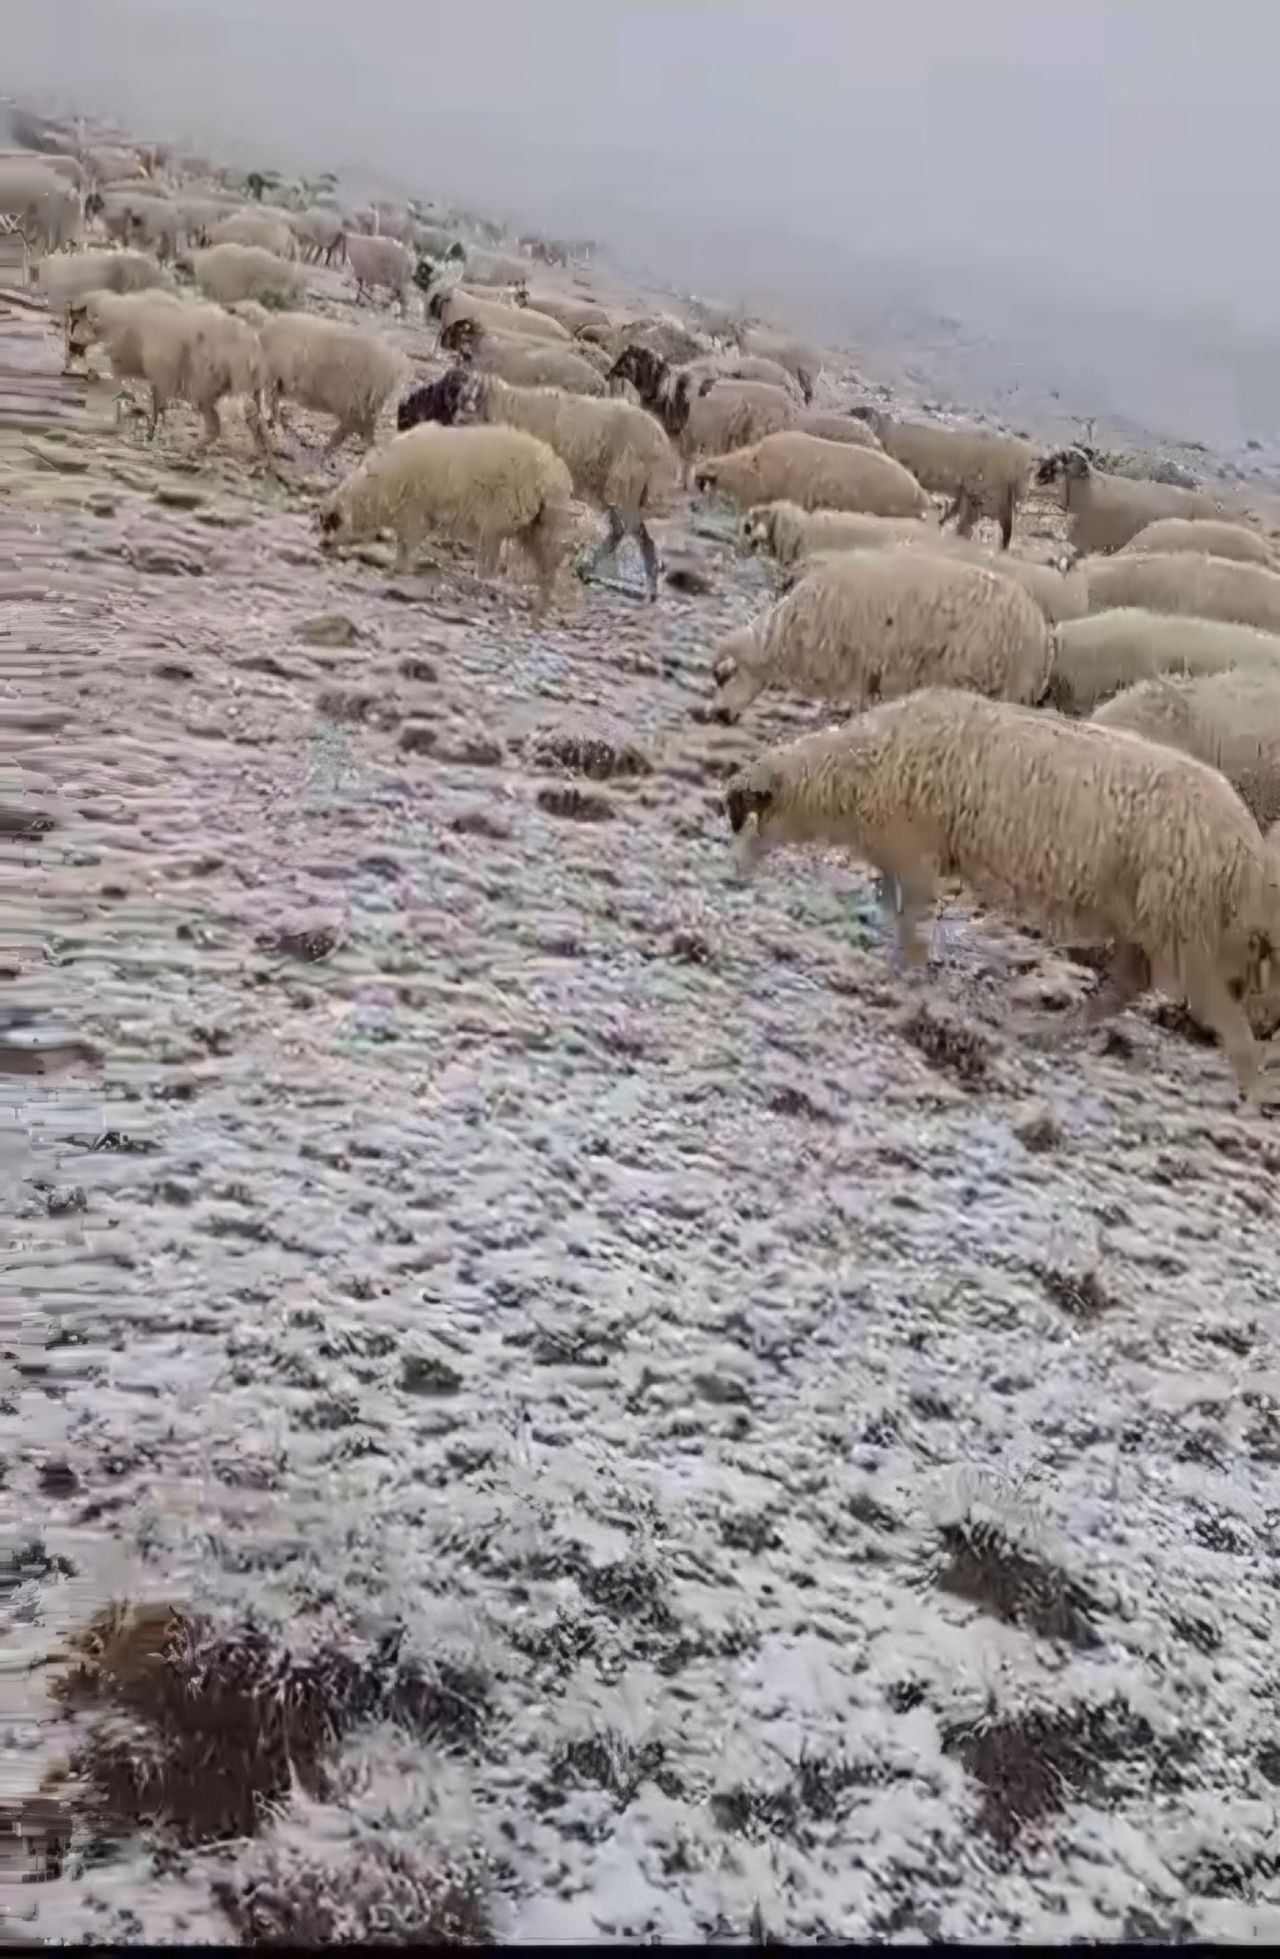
(329, 367)
(733, 415)
(573, 314)
(803, 363)
(834, 427)
(380, 264)
(787, 533)
(1106, 511)
(495, 269)
(1231, 720)
(733, 366)
(1095, 835)
(1207, 535)
(865, 625)
(1185, 582)
(525, 363)
(230, 273)
(70, 275)
(45, 208)
(983, 473)
(480, 486)
(1059, 596)
(806, 470)
(270, 234)
(318, 232)
(1100, 655)
(450, 307)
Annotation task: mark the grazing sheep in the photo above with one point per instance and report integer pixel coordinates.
(869, 624)
(70, 275)
(728, 415)
(806, 470)
(329, 367)
(803, 363)
(1096, 835)
(525, 363)
(983, 473)
(789, 533)
(230, 273)
(496, 269)
(573, 314)
(189, 352)
(141, 218)
(476, 485)
(1183, 581)
(45, 208)
(1231, 720)
(1097, 656)
(106, 164)
(1206, 535)
(1058, 596)
(616, 453)
(1106, 511)
(256, 228)
(380, 264)
(319, 234)
(660, 334)
(450, 306)
(833, 427)
(731, 366)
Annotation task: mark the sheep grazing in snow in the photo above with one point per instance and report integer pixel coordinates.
(1231, 720)
(194, 353)
(870, 624)
(1106, 511)
(1102, 654)
(319, 234)
(380, 265)
(525, 363)
(983, 473)
(789, 533)
(833, 427)
(1095, 835)
(616, 453)
(732, 366)
(803, 363)
(479, 486)
(71, 275)
(450, 306)
(256, 228)
(329, 367)
(1185, 582)
(806, 470)
(230, 273)
(1058, 596)
(573, 314)
(43, 205)
(1207, 535)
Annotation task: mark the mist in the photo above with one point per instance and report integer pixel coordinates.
(1035, 166)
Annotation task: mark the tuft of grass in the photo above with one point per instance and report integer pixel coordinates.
(389, 1894)
(983, 1564)
(1081, 1296)
(950, 1046)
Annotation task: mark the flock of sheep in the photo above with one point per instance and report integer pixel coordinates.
(969, 672)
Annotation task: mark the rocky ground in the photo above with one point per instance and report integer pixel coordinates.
(558, 1397)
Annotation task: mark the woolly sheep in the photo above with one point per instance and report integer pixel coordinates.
(1185, 582)
(256, 228)
(573, 314)
(1231, 720)
(230, 273)
(142, 218)
(616, 453)
(789, 533)
(982, 472)
(659, 334)
(1097, 656)
(319, 234)
(45, 206)
(525, 363)
(733, 415)
(1094, 834)
(495, 269)
(1106, 511)
(868, 624)
(1203, 534)
(329, 367)
(803, 363)
(476, 485)
(68, 276)
(1058, 596)
(188, 352)
(380, 263)
(806, 470)
(833, 427)
(449, 307)
(731, 366)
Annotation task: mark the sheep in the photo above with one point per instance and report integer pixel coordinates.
(1097, 656)
(1106, 511)
(730, 415)
(573, 314)
(867, 624)
(105, 164)
(495, 269)
(476, 485)
(141, 218)
(806, 470)
(525, 363)
(838, 428)
(1203, 534)
(1058, 596)
(451, 306)
(616, 453)
(659, 334)
(68, 276)
(789, 533)
(319, 234)
(804, 363)
(380, 263)
(730, 366)
(1230, 719)
(1185, 582)
(44, 206)
(983, 473)
(329, 367)
(189, 352)
(1094, 834)
(229, 273)
(256, 228)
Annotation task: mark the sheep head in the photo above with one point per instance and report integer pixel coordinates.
(461, 337)
(645, 370)
(520, 292)
(752, 792)
(1063, 466)
(331, 520)
(80, 332)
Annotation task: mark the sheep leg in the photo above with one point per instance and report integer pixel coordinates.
(649, 553)
(1210, 1002)
(157, 410)
(339, 436)
(1008, 510)
(735, 692)
(489, 557)
(212, 426)
(917, 899)
(1126, 978)
(609, 547)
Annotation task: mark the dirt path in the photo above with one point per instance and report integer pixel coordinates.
(627, 1419)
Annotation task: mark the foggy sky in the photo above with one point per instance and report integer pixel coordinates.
(1128, 145)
